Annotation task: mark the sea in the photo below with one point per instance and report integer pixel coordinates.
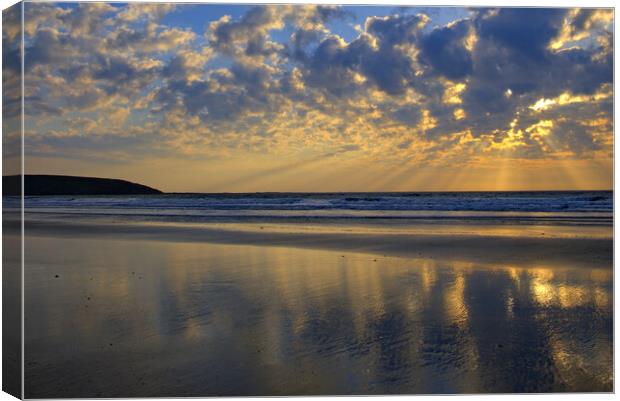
(574, 208)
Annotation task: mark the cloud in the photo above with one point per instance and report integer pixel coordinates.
(85, 20)
(580, 24)
(249, 35)
(87, 57)
(508, 72)
(291, 78)
(382, 55)
(444, 49)
(11, 67)
(525, 32)
(151, 12)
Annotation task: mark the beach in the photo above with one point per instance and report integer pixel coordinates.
(535, 250)
(126, 307)
(227, 199)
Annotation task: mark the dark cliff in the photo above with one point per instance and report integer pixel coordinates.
(70, 185)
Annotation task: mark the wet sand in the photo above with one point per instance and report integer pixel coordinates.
(595, 250)
(138, 310)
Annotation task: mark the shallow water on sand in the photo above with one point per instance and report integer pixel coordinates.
(138, 318)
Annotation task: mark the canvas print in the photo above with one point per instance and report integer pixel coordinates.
(306, 199)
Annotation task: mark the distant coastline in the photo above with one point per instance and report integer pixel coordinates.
(72, 185)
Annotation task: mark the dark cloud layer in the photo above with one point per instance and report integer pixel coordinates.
(443, 50)
(524, 32)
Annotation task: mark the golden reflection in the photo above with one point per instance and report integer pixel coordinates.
(570, 296)
(194, 329)
(549, 288)
(564, 360)
(544, 290)
(515, 275)
(580, 368)
(456, 308)
(602, 298)
(601, 276)
(510, 304)
(428, 276)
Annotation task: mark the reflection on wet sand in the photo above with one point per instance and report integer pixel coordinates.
(138, 318)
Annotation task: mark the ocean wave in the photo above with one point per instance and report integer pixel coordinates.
(591, 201)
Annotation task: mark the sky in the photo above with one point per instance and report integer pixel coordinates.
(230, 98)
